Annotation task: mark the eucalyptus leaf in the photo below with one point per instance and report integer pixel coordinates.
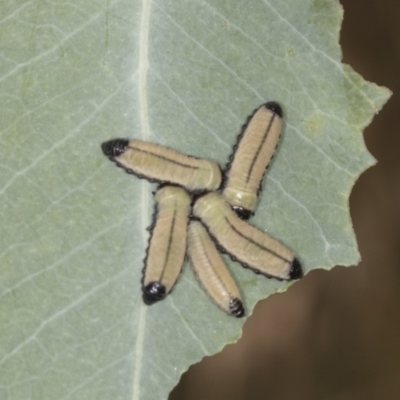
(185, 74)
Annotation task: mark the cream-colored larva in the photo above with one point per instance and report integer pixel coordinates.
(167, 246)
(251, 155)
(211, 271)
(162, 164)
(245, 243)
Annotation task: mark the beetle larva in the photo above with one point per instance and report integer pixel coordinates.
(245, 243)
(167, 246)
(251, 155)
(162, 164)
(211, 271)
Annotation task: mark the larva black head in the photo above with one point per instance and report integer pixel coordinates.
(296, 271)
(153, 292)
(114, 147)
(242, 213)
(236, 308)
(274, 107)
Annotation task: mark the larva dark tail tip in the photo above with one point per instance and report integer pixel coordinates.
(296, 270)
(236, 308)
(274, 107)
(153, 292)
(242, 213)
(114, 147)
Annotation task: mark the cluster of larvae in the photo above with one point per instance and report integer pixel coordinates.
(192, 217)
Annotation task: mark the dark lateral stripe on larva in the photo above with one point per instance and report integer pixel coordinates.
(235, 259)
(155, 284)
(255, 243)
(211, 271)
(151, 180)
(150, 228)
(241, 262)
(251, 156)
(235, 307)
(154, 180)
(271, 121)
(118, 149)
(211, 263)
(164, 165)
(170, 238)
(236, 145)
(164, 158)
(154, 291)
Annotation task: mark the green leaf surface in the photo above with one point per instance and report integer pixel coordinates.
(185, 74)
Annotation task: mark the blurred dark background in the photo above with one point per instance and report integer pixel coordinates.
(334, 335)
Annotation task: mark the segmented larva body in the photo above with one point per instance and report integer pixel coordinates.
(243, 242)
(201, 225)
(167, 245)
(251, 156)
(211, 271)
(162, 164)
